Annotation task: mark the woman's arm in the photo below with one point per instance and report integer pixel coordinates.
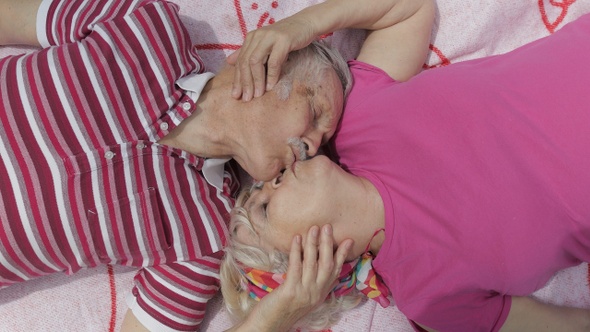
(132, 324)
(398, 39)
(18, 22)
(527, 314)
(309, 281)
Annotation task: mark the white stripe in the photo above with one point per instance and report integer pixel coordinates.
(5, 263)
(104, 102)
(74, 20)
(170, 212)
(146, 319)
(138, 227)
(72, 119)
(206, 219)
(19, 196)
(225, 200)
(106, 7)
(42, 23)
(56, 13)
(96, 184)
(171, 36)
(191, 266)
(147, 50)
(146, 298)
(187, 295)
(130, 83)
(12, 175)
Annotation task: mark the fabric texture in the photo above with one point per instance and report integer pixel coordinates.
(357, 274)
(84, 181)
(93, 300)
(480, 171)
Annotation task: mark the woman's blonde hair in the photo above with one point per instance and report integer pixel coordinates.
(234, 287)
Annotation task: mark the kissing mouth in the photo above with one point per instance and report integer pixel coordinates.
(299, 148)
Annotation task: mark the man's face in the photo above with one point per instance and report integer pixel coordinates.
(309, 113)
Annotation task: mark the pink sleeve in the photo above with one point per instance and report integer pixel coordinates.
(174, 297)
(67, 21)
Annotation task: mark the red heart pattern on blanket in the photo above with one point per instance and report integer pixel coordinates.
(564, 5)
(264, 18)
(444, 61)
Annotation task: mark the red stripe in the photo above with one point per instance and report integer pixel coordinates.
(113, 288)
(217, 47)
(240, 17)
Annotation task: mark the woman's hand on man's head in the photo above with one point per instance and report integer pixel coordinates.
(258, 62)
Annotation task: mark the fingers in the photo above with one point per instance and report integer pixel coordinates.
(326, 259)
(250, 74)
(310, 255)
(294, 269)
(342, 253)
(320, 265)
(275, 61)
(258, 63)
(232, 58)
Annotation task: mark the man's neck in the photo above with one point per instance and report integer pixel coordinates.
(203, 133)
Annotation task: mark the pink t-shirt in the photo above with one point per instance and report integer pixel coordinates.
(484, 171)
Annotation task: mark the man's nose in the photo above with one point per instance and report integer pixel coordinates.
(313, 142)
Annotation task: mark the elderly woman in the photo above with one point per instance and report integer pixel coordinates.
(468, 184)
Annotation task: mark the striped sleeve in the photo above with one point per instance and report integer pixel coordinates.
(67, 21)
(131, 63)
(174, 297)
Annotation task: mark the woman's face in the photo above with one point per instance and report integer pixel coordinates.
(291, 203)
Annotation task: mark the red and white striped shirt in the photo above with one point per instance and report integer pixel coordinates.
(83, 181)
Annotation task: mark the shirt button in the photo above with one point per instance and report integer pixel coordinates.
(109, 155)
(140, 146)
(164, 126)
(186, 106)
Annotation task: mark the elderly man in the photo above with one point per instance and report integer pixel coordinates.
(114, 142)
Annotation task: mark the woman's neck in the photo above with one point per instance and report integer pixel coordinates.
(364, 216)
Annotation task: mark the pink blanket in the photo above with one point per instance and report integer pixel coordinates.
(94, 300)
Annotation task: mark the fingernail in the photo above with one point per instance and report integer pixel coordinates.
(268, 87)
(257, 93)
(246, 96)
(234, 92)
(298, 239)
(314, 231)
(328, 229)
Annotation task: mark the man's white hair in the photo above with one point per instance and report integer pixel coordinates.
(309, 65)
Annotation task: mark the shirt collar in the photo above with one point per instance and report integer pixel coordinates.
(193, 84)
(212, 169)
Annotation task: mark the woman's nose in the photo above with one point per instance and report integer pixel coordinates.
(276, 182)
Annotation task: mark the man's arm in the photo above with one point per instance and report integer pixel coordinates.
(398, 39)
(132, 324)
(18, 22)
